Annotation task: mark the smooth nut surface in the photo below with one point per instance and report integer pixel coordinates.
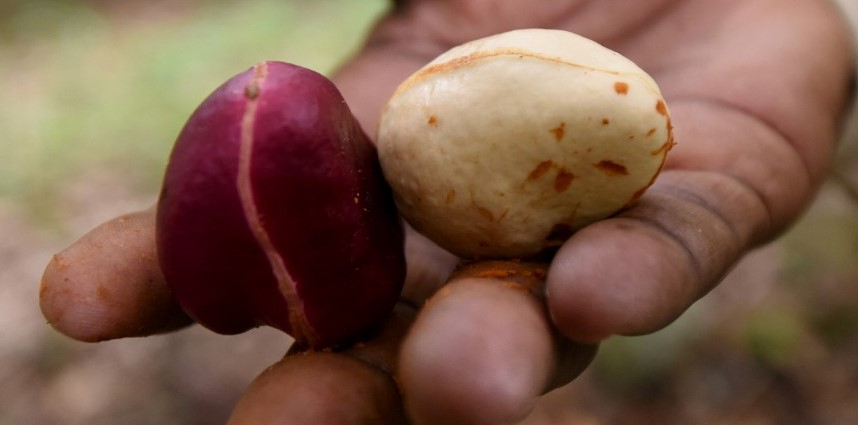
(274, 211)
(504, 146)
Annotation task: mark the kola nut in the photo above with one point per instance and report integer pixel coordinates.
(274, 211)
(504, 146)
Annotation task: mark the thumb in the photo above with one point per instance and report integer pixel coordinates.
(389, 55)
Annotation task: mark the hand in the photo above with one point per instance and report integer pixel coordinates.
(755, 91)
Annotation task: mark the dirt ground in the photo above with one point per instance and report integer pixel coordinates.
(776, 343)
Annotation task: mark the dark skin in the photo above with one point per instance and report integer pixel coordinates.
(756, 92)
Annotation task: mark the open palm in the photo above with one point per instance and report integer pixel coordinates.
(756, 91)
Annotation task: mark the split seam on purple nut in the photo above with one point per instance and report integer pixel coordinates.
(297, 316)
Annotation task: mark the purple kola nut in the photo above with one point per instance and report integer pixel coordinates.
(274, 211)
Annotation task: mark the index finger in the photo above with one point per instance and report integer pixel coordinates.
(108, 284)
(351, 387)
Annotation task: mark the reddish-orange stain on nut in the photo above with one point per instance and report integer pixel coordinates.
(621, 88)
(559, 131)
(520, 275)
(540, 170)
(563, 180)
(606, 121)
(433, 120)
(661, 107)
(611, 168)
(493, 273)
(663, 149)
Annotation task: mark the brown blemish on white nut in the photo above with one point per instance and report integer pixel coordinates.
(661, 108)
(559, 131)
(555, 141)
(447, 61)
(663, 149)
(541, 169)
(563, 180)
(611, 168)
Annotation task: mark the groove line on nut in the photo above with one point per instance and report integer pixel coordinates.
(297, 317)
(512, 52)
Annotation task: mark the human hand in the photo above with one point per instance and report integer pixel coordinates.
(755, 92)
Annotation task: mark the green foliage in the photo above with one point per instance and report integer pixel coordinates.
(773, 336)
(86, 87)
(639, 367)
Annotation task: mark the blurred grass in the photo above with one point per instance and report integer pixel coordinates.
(108, 84)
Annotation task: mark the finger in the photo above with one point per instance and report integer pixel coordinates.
(482, 349)
(108, 284)
(732, 183)
(636, 273)
(348, 388)
(391, 53)
(319, 388)
(429, 267)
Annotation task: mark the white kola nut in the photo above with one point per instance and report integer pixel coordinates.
(504, 146)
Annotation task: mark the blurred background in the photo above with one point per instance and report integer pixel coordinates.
(92, 95)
